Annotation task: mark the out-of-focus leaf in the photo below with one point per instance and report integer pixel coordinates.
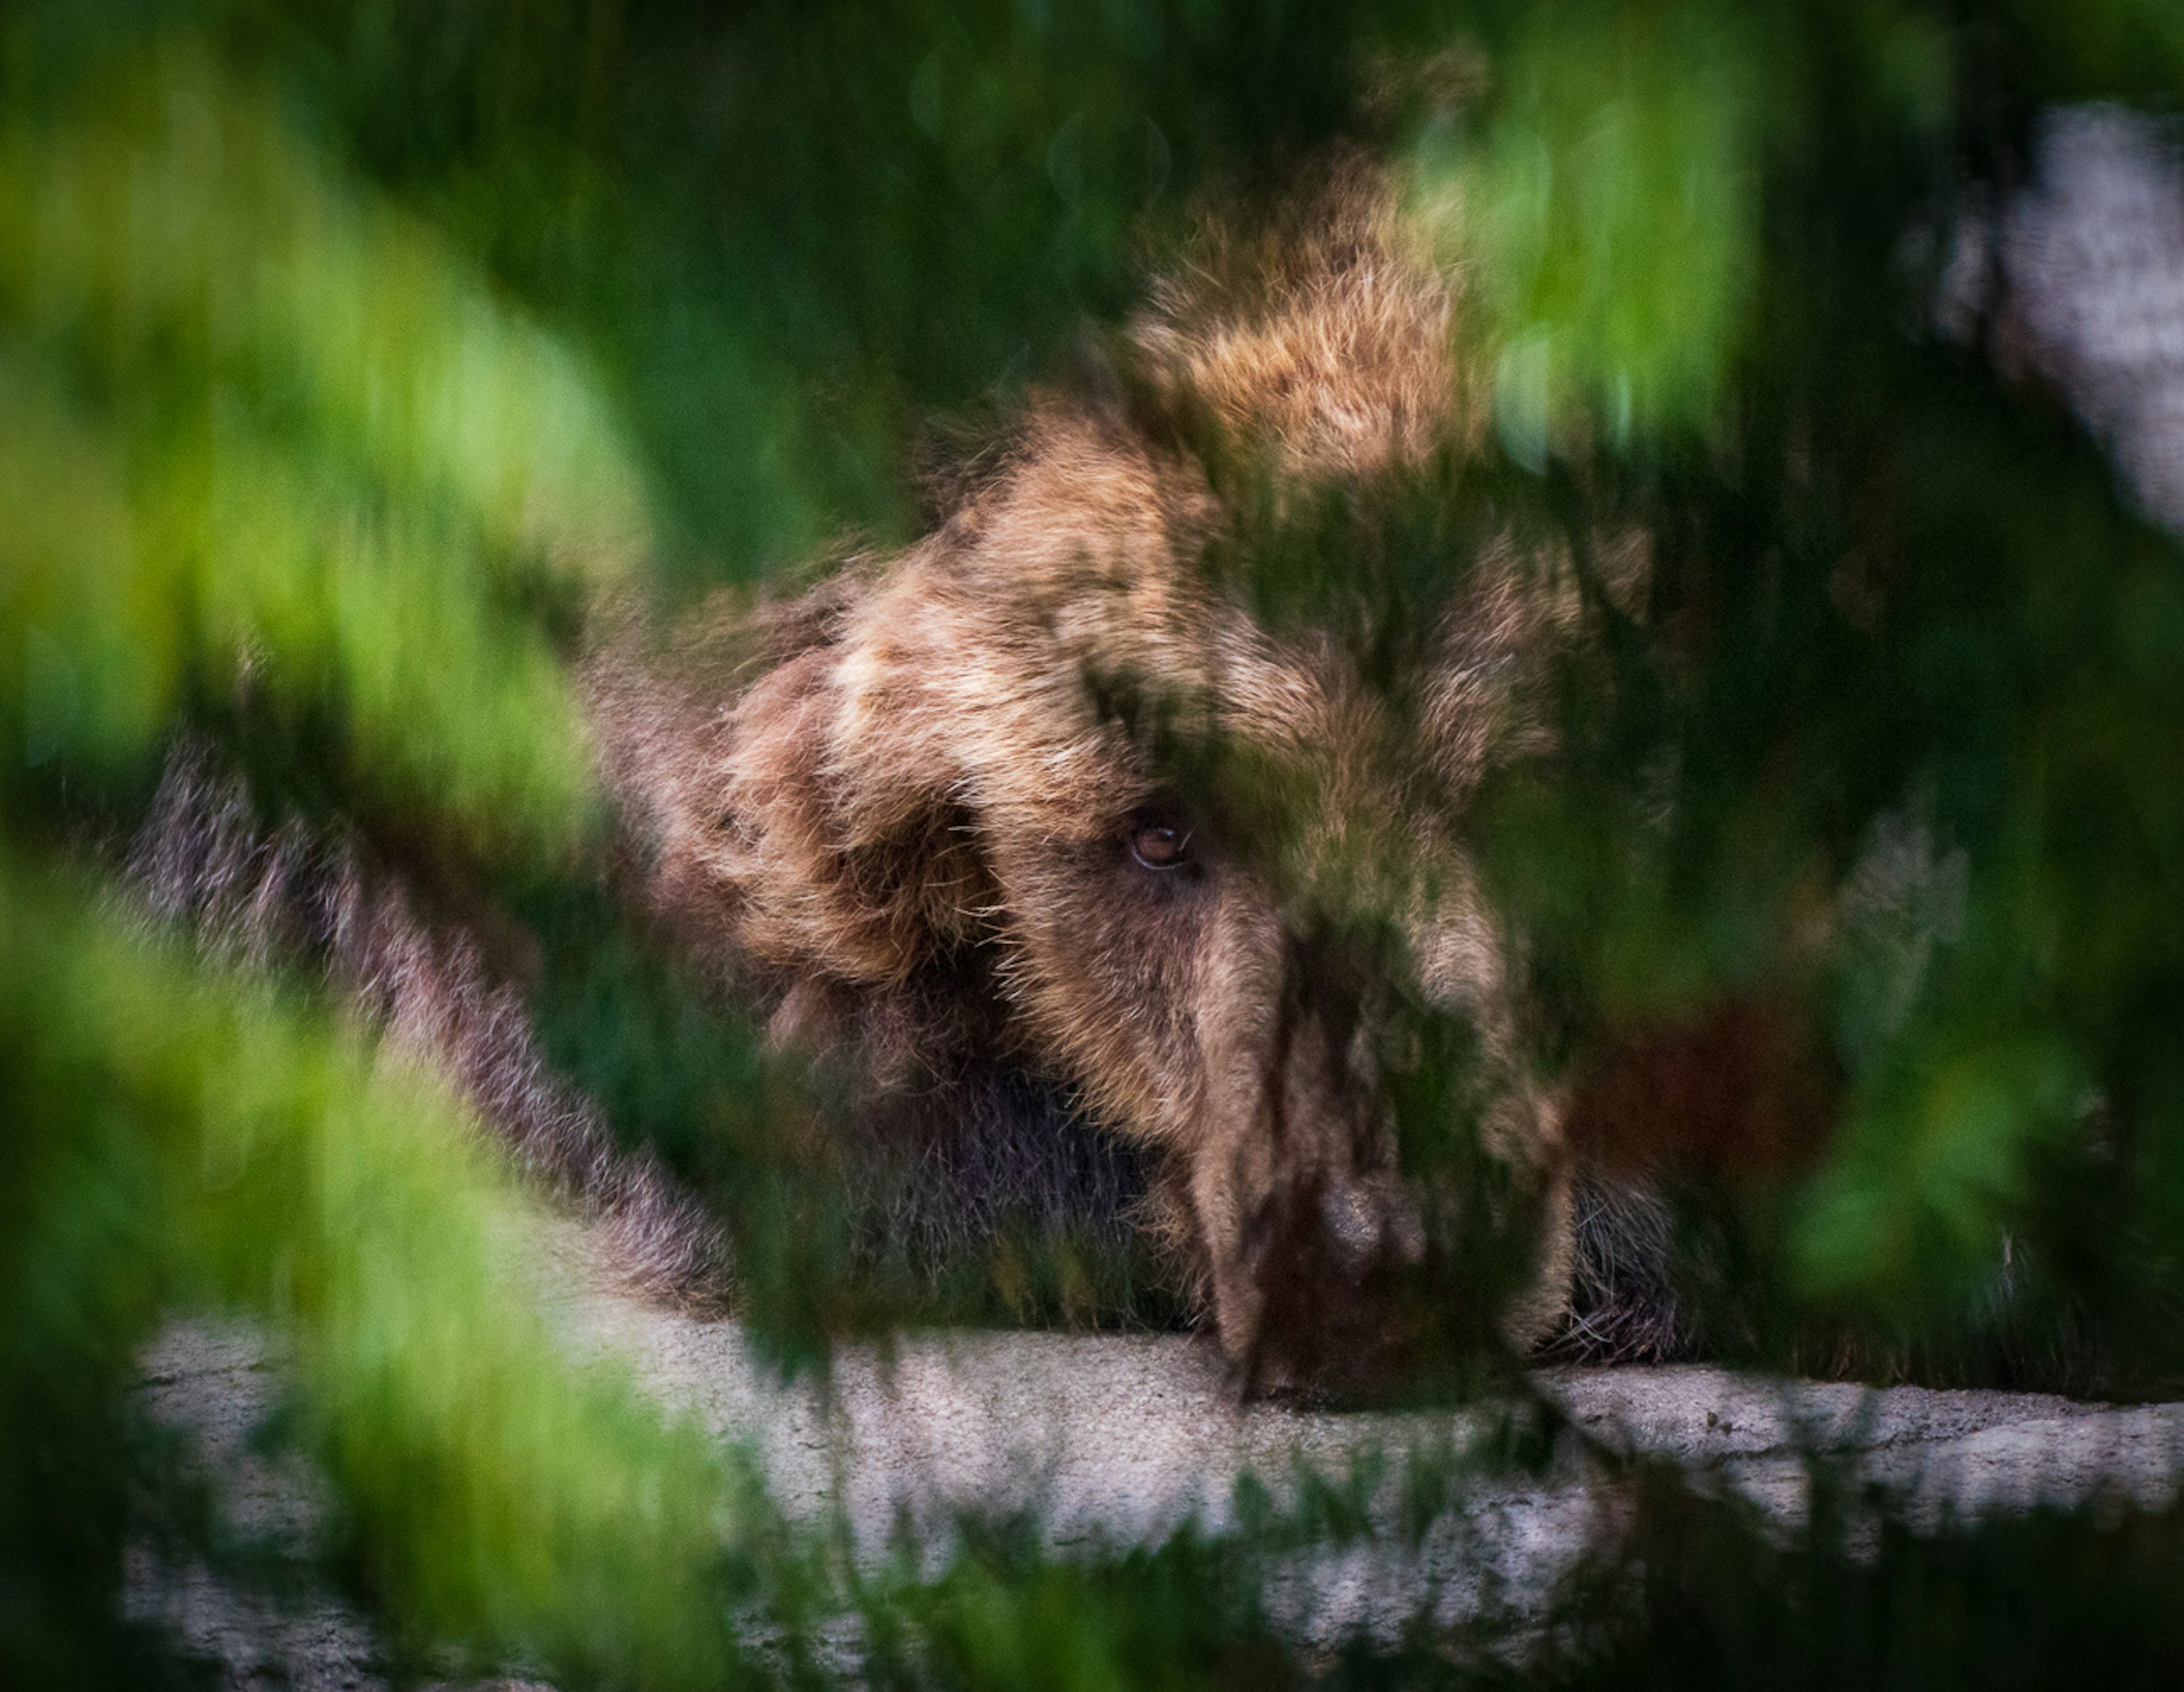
(279, 1166)
(265, 434)
(172, 226)
(1928, 1173)
(1605, 207)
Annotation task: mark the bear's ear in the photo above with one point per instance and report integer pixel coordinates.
(1325, 337)
(794, 810)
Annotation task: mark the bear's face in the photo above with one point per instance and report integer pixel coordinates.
(1280, 1032)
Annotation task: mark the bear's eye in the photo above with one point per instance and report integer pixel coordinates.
(1160, 845)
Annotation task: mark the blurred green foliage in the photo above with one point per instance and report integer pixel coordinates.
(350, 351)
(266, 436)
(181, 1135)
(1610, 205)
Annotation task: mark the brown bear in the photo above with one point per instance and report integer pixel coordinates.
(1147, 771)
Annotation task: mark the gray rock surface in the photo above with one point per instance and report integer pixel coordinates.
(1122, 1440)
(1118, 1441)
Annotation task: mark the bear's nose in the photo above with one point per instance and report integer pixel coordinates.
(1369, 1223)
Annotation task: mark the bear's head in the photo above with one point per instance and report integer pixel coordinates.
(1149, 765)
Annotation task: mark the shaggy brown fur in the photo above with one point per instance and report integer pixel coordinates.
(259, 898)
(928, 810)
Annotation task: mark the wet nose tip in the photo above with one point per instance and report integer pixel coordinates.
(1369, 1222)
